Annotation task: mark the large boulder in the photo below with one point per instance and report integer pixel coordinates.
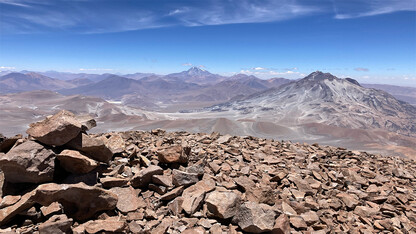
(255, 218)
(80, 201)
(56, 130)
(75, 162)
(94, 147)
(29, 162)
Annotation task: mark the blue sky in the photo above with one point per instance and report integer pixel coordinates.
(373, 41)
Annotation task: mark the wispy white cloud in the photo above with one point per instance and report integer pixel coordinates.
(268, 72)
(93, 16)
(361, 69)
(357, 9)
(7, 68)
(187, 64)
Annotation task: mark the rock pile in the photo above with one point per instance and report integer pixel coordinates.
(63, 180)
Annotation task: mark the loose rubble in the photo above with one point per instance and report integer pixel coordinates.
(61, 179)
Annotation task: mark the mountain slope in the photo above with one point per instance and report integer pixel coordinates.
(407, 94)
(18, 82)
(113, 87)
(324, 98)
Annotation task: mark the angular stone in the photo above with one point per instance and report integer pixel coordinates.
(54, 207)
(281, 225)
(172, 194)
(75, 162)
(255, 218)
(56, 224)
(144, 177)
(87, 122)
(298, 222)
(195, 230)
(94, 147)
(107, 225)
(115, 143)
(194, 195)
(9, 200)
(181, 178)
(162, 180)
(288, 210)
(223, 204)
(127, 199)
(56, 130)
(110, 182)
(348, 199)
(310, 217)
(365, 211)
(174, 154)
(29, 162)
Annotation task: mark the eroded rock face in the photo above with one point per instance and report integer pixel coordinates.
(56, 130)
(29, 162)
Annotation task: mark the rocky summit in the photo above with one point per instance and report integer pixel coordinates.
(60, 179)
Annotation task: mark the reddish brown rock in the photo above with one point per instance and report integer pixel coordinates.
(195, 194)
(144, 177)
(76, 162)
(9, 200)
(255, 218)
(56, 130)
(56, 224)
(223, 204)
(108, 225)
(281, 225)
(94, 147)
(115, 143)
(174, 154)
(127, 199)
(29, 162)
(181, 178)
(54, 207)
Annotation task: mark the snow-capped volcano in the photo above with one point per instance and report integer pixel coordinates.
(324, 98)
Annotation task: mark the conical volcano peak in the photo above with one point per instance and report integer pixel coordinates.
(197, 71)
(318, 75)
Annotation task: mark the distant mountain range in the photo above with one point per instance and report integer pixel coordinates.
(318, 108)
(189, 89)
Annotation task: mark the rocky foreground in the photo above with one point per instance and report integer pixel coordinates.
(62, 180)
